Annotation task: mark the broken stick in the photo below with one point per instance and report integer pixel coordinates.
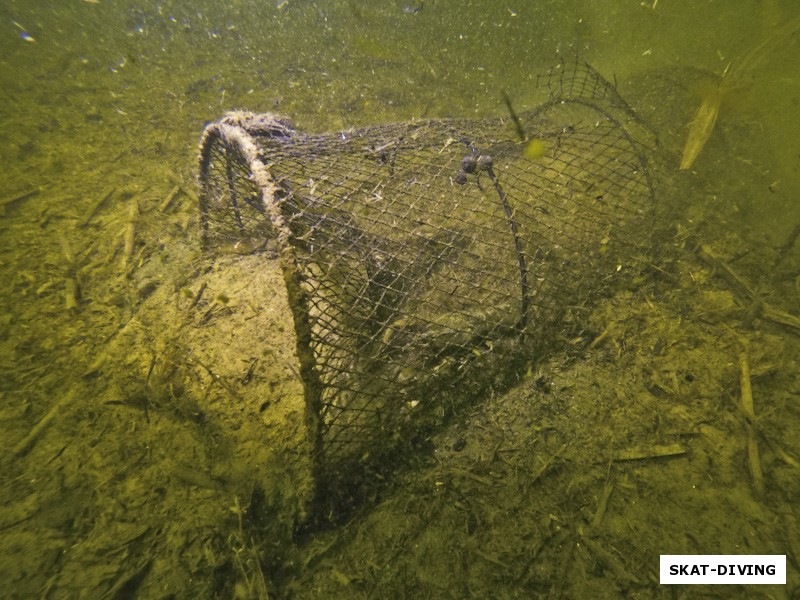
(96, 206)
(130, 234)
(11, 200)
(167, 202)
(27, 442)
(72, 293)
(753, 459)
(740, 286)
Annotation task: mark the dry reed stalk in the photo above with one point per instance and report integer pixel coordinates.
(130, 234)
(754, 462)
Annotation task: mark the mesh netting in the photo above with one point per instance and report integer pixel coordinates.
(423, 259)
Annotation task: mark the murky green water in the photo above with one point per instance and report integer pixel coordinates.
(130, 487)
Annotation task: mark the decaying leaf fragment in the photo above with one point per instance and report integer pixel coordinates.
(702, 125)
(737, 73)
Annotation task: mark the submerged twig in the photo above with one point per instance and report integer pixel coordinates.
(220, 380)
(739, 285)
(726, 272)
(170, 198)
(189, 193)
(71, 293)
(610, 560)
(96, 206)
(649, 452)
(198, 295)
(130, 234)
(770, 313)
(783, 249)
(67, 252)
(71, 287)
(24, 446)
(7, 202)
(754, 462)
(602, 505)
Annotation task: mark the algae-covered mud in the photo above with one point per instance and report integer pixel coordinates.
(152, 409)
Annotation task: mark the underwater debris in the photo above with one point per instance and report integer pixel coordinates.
(5, 203)
(130, 233)
(701, 128)
(24, 445)
(23, 33)
(705, 118)
(96, 206)
(753, 460)
(741, 287)
(169, 199)
(71, 293)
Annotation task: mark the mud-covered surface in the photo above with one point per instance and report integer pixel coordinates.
(150, 403)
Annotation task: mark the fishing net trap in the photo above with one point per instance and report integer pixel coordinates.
(424, 260)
